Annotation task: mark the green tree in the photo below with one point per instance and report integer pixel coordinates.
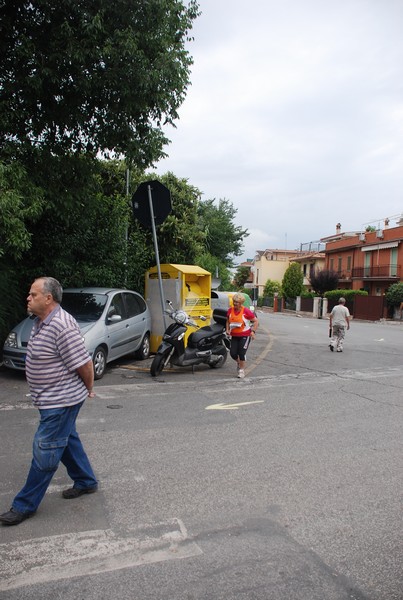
(180, 239)
(214, 265)
(20, 203)
(293, 281)
(81, 246)
(272, 287)
(323, 280)
(224, 239)
(241, 276)
(394, 295)
(93, 76)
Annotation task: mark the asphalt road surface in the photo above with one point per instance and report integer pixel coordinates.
(283, 486)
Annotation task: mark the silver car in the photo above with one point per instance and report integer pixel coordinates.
(113, 322)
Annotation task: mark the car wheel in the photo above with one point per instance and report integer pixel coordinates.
(144, 351)
(99, 361)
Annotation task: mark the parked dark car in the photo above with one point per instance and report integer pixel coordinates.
(113, 322)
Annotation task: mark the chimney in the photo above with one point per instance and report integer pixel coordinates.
(338, 228)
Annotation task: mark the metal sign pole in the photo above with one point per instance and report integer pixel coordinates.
(127, 226)
(150, 200)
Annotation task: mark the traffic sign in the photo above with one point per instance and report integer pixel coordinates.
(161, 203)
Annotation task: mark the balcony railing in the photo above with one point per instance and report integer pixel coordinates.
(343, 275)
(379, 272)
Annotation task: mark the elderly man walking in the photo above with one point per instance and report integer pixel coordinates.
(339, 321)
(60, 376)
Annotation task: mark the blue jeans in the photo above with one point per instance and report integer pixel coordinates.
(55, 440)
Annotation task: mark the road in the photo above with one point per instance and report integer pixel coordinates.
(283, 486)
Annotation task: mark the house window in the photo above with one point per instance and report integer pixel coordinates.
(367, 264)
(348, 263)
(393, 262)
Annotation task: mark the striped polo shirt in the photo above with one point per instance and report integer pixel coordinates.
(55, 350)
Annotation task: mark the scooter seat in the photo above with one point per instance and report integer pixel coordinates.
(204, 332)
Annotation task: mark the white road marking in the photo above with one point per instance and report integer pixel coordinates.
(158, 388)
(4, 406)
(235, 406)
(83, 553)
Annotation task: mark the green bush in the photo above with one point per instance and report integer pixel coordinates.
(271, 287)
(347, 294)
(305, 294)
(394, 295)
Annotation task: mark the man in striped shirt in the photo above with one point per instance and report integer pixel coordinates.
(60, 375)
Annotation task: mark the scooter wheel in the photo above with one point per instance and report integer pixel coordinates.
(157, 365)
(222, 353)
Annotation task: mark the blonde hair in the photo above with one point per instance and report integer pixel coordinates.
(238, 298)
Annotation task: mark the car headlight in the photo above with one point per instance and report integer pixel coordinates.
(11, 341)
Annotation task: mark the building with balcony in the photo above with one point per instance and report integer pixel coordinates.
(272, 264)
(370, 259)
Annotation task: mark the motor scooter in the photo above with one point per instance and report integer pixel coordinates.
(207, 345)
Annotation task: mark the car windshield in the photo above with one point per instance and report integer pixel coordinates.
(84, 307)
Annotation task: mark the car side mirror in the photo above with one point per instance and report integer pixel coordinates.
(114, 318)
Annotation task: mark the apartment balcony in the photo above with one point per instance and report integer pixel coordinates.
(343, 276)
(391, 272)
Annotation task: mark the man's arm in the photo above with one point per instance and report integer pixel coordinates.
(86, 372)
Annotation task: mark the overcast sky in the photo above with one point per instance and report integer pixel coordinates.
(295, 115)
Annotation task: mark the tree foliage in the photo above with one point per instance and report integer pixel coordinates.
(293, 281)
(272, 287)
(394, 295)
(20, 204)
(214, 265)
(93, 76)
(95, 240)
(224, 239)
(323, 280)
(180, 238)
(241, 276)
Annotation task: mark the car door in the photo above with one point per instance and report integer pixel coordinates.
(118, 330)
(136, 316)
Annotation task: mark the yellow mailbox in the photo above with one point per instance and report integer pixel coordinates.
(187, 286)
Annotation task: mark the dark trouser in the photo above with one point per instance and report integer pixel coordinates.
(239, 346)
